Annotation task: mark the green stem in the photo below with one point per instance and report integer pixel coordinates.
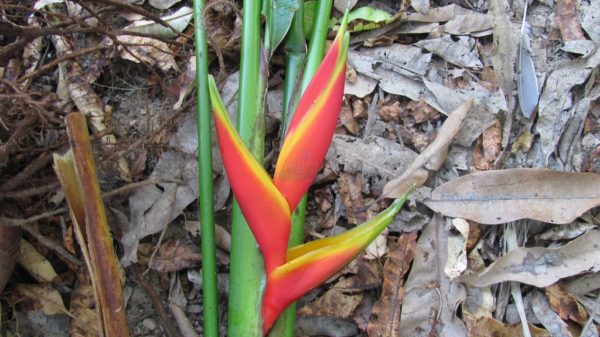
(246, 269)
(209, 265)
(285, 325)
(296, 54)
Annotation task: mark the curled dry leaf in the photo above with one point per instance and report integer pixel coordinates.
(484, 326)
(45, 295)
(35, 263)
(414, 175)
(495, 197)
(563, 303)
(565, 15)
(540, 266)
(175, 255)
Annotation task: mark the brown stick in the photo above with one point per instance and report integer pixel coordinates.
(99, 240)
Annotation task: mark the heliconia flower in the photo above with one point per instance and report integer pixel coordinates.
(264, 208)
(314, 262)
(313, 123)
(267, 203)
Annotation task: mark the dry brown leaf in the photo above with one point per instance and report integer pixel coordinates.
(83, 307)
(347, 119)
(540, 266)
(35, 263)
(565, 305)
(367, 276)
(492, 142)
(487, 326)
(352, 198)
(334, 303)
(495, 197)
(385, 317)
(397, 187)
(45, 295)
(565, 14)
(175, 255)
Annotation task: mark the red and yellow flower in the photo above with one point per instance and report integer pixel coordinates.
(267, 203)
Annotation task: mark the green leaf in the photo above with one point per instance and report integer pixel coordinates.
(365, 18)
(279, 18)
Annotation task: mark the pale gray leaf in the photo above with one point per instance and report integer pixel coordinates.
(495, 197)
(375, 157)
(428, 290)
(541, 267)
(470, 22)
(527, 85)
(461, 52)
(590, 20)
(557, 99)
(549, 319)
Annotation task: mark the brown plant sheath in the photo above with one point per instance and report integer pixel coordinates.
(100, 245)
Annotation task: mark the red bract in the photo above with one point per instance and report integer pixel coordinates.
(267, 203)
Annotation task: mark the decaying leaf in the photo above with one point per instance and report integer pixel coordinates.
(35, 263)
(461, 53)
(87, 322)
(45, 295)
(325, 326)
(495, 197)
(527, 86)
(141, 49)
(175, 255)
(563, 303)
(557, 99)
(430, 298)
(549, 319)
(374, 157)
(414, 174)
(484, 326)
(456, 262)
(385, 317)
(334, 303)
(540, 266)
(565, 15)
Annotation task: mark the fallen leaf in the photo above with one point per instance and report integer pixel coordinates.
(414, 173)
(163, 4)
(175, 255)
(430, 298)
(549, 319)
(456, 262)
(385, 317)
(375, 158)
(45, 295)
(325, 326)
(352, 198)
(589, 20)
(563, 303)
(540, 266)
(35, 263)
(141, 49)
(567, 20)
(334, 303)
(347, 119)
(461, 52)
(86, 321)
(9, 246)
(485, 326)
(495, 197)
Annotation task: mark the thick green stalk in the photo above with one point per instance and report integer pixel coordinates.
(285, 325)
(207, 227)
(246, 269)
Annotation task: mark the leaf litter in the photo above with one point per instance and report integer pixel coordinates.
(404, 122)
